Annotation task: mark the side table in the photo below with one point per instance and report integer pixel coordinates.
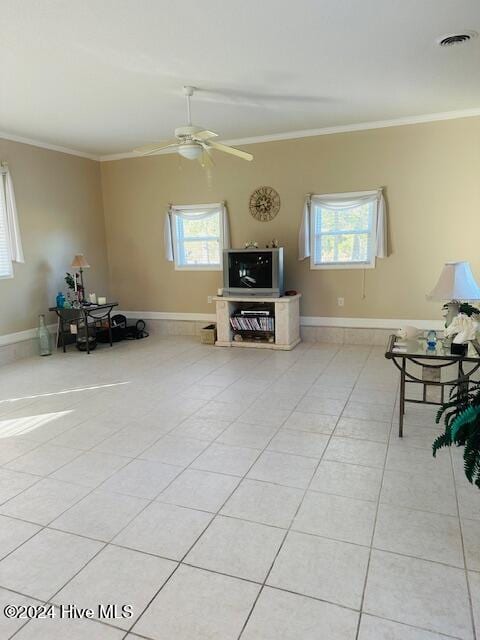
(416, 352)
(94, 312)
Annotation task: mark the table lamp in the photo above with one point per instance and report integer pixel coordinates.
(456, 284)
(79, 262)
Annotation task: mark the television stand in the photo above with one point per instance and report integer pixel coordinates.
(284, 310)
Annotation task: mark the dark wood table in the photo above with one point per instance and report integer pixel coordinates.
(416, 352)
(96, 312)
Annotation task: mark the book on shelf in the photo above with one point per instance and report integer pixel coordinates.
(260, 323)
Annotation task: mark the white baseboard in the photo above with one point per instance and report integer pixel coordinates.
(305, 321)
(21, 336)
(169, 315)
(369, 323)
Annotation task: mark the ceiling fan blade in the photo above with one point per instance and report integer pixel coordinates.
(160, 149)
(155, 146)
(205, 135)
(234, 152)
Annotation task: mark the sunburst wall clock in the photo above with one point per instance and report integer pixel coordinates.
(264, 204)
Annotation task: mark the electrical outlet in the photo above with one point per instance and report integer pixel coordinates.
(209, 299)
(341, 302)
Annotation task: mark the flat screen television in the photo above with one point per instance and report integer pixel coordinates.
(253, 272)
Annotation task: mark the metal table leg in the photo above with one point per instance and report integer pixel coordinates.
(401, 409)
(463, 385)
(110, 327)
(62, 333)
(85, 319)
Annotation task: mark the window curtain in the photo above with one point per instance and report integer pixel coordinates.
(344, 201)
(304, 232)
(8, 204)
(190, 212)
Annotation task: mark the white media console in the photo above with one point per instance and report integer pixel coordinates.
(286, 311)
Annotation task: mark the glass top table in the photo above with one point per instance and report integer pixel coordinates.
(408, 355)
(419, 348)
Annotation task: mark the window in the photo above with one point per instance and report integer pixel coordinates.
(343, 231)
(6, 268)
(10, 241)
(198, 237)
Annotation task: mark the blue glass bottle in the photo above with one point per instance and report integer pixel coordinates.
(60, 300)
(431, 340)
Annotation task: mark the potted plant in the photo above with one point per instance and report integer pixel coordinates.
(77, 293)
(69, 281)
(462, 427)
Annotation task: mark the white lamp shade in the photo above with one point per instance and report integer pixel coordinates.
(80, 262)
(190, 151)
(456, 282)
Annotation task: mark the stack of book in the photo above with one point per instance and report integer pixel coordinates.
(252, 323)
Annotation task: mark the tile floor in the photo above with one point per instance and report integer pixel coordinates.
(230, 493)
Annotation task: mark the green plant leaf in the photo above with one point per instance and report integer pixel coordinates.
(461, 416)
(444, 440)
(465, 417)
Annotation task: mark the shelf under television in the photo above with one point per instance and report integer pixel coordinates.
(284, 311)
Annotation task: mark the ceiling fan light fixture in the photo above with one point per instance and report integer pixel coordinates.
(191, 142)
(190, 151)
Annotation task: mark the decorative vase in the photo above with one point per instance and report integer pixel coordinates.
(44, 337)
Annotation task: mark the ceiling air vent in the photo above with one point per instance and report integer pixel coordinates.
(456, 38)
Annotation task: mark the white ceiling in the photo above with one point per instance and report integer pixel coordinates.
(104, 76)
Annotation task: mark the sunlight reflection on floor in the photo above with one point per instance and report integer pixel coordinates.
(63, 392)
(26, 424)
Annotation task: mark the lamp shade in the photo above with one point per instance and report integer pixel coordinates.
(80, 262)
(456, 282)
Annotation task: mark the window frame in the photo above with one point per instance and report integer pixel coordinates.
(215, 209)
(372, 239)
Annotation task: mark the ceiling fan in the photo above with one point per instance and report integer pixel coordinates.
(191, 142)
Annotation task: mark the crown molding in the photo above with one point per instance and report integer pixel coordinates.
(274, 137)
(326, 131)
(46, 145)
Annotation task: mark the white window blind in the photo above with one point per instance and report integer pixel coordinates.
(343, 236)
(6, 268)
(195, 236)
(10, 241)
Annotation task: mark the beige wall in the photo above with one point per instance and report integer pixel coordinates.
(60, 213)
(431, 175)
